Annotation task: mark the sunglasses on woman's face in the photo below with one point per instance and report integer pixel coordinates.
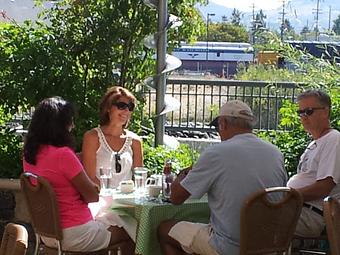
(123, 106)
(118, 165)
(308, 111)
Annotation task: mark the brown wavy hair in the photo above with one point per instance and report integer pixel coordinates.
(112, 95)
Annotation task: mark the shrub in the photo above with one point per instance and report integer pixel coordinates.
(10, 154)
(155, 157)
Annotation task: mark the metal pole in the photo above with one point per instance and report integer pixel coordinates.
(207, 50)
(161, 64)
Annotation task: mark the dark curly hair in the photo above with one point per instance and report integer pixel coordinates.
(50, 125)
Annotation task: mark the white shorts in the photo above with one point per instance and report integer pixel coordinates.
(91, 236)
(193, 237)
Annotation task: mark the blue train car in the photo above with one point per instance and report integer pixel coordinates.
(326, 50)
(219, 58)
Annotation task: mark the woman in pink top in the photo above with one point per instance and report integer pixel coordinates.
(48, 153)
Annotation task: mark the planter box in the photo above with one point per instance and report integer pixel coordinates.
(12, 199)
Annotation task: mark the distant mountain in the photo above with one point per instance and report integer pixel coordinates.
(299, 12)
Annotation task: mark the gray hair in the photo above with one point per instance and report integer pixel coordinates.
(320, 95)
(239, 122)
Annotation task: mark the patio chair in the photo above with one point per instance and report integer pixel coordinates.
(331, 210)
(43, 209)
(267, 226)
(310, 245)
(14, 240)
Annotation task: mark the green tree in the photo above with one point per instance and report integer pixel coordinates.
(236, 17)
(226, 32)
(288, 31)
(74, 53)
(287, 26)
(336, 25)
(258, 27)
(259, 24)
(305, 31)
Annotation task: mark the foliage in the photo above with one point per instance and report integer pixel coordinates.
(75, 52)
(291, 142)
(268, 73)
(336, 25)
(311, 72)
(226, 32)
(236, 16)
(10, 154)
(155, 157)
(288, 31)
(259, 23)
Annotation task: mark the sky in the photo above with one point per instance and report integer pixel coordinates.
(299, 12)
(246, 5)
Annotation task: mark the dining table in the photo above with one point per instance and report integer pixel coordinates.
(145, 213)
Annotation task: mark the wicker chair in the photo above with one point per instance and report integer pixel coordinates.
(268, 226)
(14, 240)
(331, 210)
(43, 209)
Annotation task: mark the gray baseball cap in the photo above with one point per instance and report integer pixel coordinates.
(234, 108)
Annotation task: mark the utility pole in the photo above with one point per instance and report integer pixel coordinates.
(253, 28)
(329, 19)
(282, 19)
(317, 12)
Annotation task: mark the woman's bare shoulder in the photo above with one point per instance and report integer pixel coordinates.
(91, 134)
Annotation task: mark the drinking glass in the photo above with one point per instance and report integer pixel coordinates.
(140, 174)
(105, 174)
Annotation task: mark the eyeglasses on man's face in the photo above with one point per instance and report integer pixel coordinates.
(308, 111)
(117, 162)
(123, 106)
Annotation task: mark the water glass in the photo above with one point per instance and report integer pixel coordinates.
(105, 174)
(140, 174)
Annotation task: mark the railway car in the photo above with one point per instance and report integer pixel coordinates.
(218, 58)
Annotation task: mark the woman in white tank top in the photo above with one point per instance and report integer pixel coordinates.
(111, 145)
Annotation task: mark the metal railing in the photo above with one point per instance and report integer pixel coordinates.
(201, 99)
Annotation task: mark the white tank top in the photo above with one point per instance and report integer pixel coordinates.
(105, 157)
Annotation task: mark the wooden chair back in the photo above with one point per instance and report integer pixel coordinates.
(42, 205)
(268, 226)
(331, 213)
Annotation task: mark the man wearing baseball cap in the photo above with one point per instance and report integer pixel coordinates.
(228, 172)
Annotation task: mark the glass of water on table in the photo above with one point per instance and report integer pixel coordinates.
(105, 174)
(140, 175)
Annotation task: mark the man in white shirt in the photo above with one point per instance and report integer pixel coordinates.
(318, 173)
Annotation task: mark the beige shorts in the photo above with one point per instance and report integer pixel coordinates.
(91, 236)
(310, 224)
(193, 237)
